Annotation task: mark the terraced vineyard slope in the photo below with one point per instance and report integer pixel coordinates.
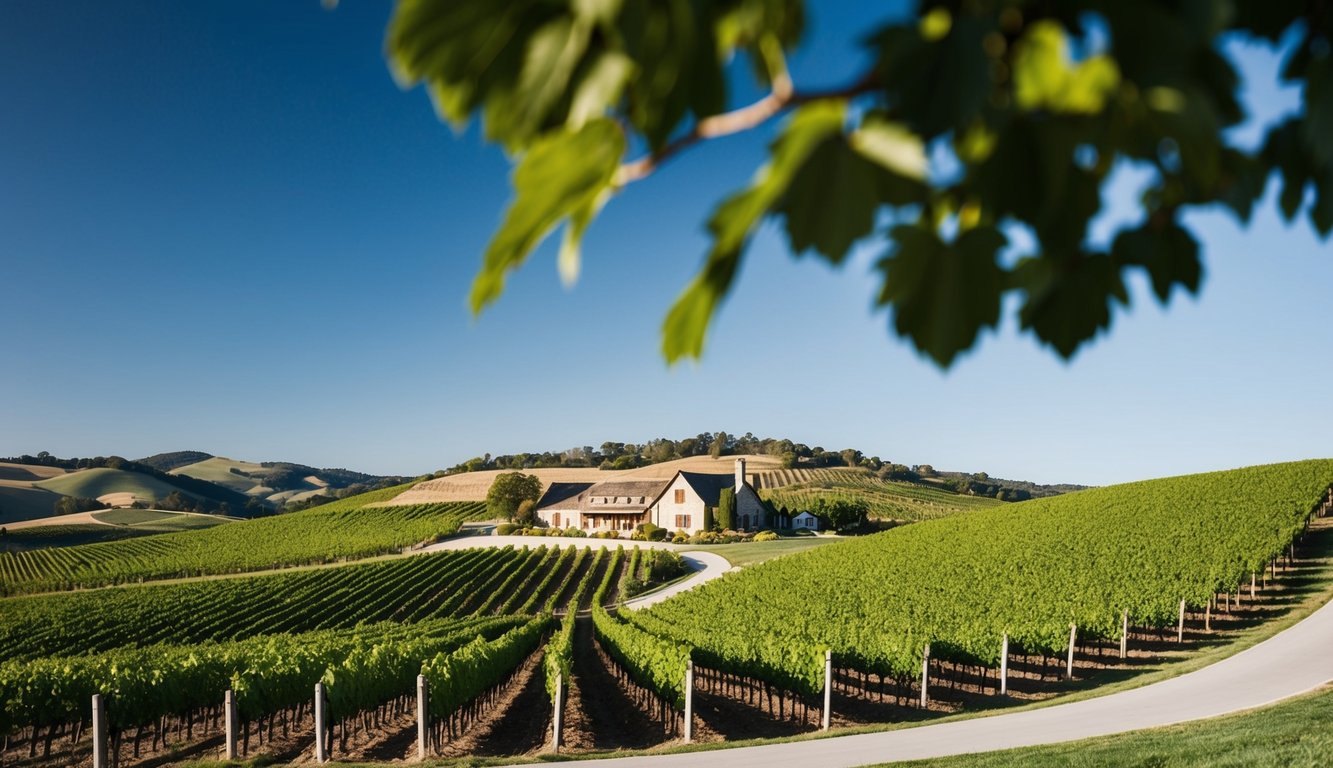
(346, 529)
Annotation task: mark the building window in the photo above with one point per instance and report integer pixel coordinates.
(555, 520)
(683, 521)
(680, 495)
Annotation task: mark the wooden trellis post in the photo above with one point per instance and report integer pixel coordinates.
(1180, 625)
(1004, 665)
(1124, 634)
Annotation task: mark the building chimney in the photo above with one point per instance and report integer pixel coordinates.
(740, 474)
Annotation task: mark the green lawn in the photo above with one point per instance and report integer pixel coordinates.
(1295, 733)
(752, 552)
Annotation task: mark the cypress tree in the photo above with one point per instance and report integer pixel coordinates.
(726, 509)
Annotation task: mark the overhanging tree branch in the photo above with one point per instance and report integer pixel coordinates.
(783, 97)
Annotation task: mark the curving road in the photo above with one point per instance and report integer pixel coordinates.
(706, 565)
(1292, 662)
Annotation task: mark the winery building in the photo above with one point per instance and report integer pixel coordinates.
(674, 504)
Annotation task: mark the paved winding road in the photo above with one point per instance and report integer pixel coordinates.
(1290, 663)
(706, 565)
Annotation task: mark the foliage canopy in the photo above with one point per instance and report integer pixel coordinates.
(1030, 104)
(509, 491)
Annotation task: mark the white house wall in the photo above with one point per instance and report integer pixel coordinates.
(664, 512)
(568, 517)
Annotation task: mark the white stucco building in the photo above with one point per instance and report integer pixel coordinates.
(674, 504)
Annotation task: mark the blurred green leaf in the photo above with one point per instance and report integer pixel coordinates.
(892, 146)
(569, 261)
(942, 294)
(562, 175)
(732, 222)
(1030, 175)
(1045, 79)
(831, 201)
(935, 85)
(552, 54)
(1321, 212)
(674, 43)
(1166, 251)
(467, 52)
(600, 88)
(1318, 102)
(1068, 299)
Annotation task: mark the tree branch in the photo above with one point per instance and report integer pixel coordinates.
(782, 97)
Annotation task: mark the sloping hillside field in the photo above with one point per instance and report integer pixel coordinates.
(1029, 570)
(344, 529)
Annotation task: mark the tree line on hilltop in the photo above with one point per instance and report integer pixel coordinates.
(791, 454)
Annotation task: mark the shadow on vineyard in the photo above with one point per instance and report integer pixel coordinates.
(603, 713)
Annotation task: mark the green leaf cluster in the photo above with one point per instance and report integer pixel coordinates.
(1031, 104)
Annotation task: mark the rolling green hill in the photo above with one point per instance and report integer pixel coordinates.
(217, 469)
(101, 482)
(279, 483)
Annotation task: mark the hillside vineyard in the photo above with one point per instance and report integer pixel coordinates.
(174, 648)
(412, 589)
(342, 530)
(1091, 561)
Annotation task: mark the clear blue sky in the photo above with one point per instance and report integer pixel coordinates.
(223, 227)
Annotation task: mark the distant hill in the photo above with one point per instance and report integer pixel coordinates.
(33, 486)
(279, 483)
(165, 462)
(115, 487)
